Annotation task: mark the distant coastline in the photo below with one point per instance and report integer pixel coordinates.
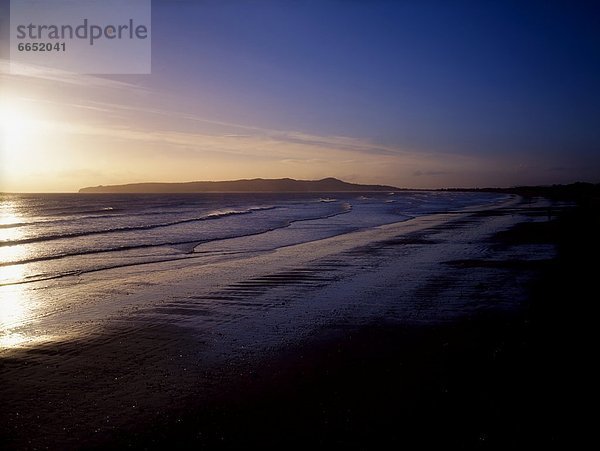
(572, 191)
(285, 185)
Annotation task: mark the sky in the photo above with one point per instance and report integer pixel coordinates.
(415, 94)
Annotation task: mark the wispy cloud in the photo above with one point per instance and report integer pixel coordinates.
(100, 130)
(419, 173)
(177, 128)
(234, 132)
(11, 70)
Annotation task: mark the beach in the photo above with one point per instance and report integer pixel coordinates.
(356, 225)
(409, 333)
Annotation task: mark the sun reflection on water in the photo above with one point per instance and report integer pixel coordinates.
(15, 311)
(12, 298)
(15, 303)
(11, 273)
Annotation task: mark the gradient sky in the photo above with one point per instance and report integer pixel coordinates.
(416, 94)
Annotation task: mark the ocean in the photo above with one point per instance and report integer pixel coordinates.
(49, 236)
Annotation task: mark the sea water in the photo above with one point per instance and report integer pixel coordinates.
(48, 236)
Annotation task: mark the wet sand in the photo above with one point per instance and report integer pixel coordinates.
(414, 333)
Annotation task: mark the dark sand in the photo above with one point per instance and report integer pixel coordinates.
(498, 378)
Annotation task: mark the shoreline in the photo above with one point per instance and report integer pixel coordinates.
(169, 374)
(93, 298)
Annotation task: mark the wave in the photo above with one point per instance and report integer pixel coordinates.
(115, 213)
(59, 211)
(214, 215)
(13, 225)
(347, 208)
(78, 272)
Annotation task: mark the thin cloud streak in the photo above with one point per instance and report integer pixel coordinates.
(341, 143)
(11, 70)
(115, 109)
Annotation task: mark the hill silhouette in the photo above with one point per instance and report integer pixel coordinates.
(285, 185)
